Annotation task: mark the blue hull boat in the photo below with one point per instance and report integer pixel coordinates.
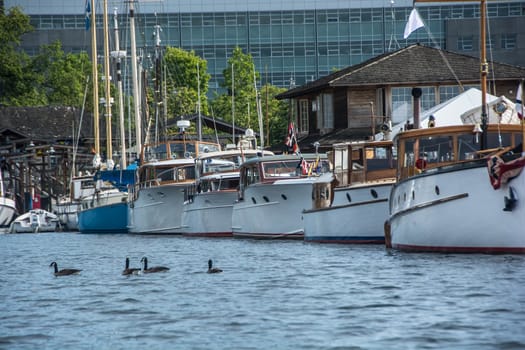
(111, 218)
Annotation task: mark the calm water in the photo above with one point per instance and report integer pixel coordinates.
(271, 295)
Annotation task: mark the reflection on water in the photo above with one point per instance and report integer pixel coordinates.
(272, 294)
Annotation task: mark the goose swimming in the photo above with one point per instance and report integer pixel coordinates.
(152, 269)
(128, 270)
(212, 269)
(64, 272)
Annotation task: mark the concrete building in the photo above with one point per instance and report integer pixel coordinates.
(292, 42)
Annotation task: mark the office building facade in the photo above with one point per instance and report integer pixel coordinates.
(292, 42)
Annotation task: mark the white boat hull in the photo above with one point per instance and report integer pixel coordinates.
(357, 215)
(35, 221)
(457, 211)
(209, 214)
(67, 213)
(273, 210)
(7, 211)
(157, 209)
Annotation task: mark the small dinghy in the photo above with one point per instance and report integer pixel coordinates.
(35, 221)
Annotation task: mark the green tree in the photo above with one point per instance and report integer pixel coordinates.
(16, 81)
(64, 75)
(183, 68)
(239, 83)
(275, 115)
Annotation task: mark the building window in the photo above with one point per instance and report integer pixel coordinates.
(508, 41)
(465, 43)
(303, 116)
(328, 111)
(401, 104)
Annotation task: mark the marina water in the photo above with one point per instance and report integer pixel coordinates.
(271, 295)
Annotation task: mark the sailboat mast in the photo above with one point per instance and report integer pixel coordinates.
(199, 120)
(134, 73)
(94, 72)
(483, 62)
(118, 55)
(107, 85)
(484, 72)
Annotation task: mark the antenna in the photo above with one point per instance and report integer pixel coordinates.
(392, 33)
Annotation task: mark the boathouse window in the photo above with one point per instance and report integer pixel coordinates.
(325, 111)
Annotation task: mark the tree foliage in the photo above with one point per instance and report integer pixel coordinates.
(182, 85)
(15, 78)
(62, 77)
(50, 78)
(239, 104)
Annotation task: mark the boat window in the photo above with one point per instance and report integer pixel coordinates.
(436, 149)
(341, 165)
(182, 150)
(208, 147)
(285, 168)
(156, 153)
(378, 158)
(467, 147)
(252, 175)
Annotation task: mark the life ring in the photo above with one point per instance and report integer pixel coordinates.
(421, 163)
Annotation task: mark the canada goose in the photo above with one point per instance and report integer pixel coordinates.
(128, 271)
(152, 269)
(212, 269)
(64, 272)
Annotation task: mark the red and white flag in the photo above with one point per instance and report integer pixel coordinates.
(519, 102)
(291, 140)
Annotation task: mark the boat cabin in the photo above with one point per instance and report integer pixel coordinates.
(363, 161)
(177, 149)
(421, 150)
(268, 170)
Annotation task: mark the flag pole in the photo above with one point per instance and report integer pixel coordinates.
(522, 120)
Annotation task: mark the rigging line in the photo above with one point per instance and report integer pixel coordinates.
(447, 63)
(75, 145)
(214, 125)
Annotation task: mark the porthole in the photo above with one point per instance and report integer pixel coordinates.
(266, 199)
(254, 201)
(348, 197)
(373, 193)
(413, 195)
(404, 197)
(437, 190)
(283, 197)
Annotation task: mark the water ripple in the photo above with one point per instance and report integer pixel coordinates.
(278, 294)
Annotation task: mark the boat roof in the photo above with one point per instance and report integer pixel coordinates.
(284, 157)
(224, 175)
(233, 152)
(170, 162)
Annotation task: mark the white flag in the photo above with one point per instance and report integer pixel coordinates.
(414, 22)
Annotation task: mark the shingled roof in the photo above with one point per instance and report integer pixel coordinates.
(47, 124)
(412, 65)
